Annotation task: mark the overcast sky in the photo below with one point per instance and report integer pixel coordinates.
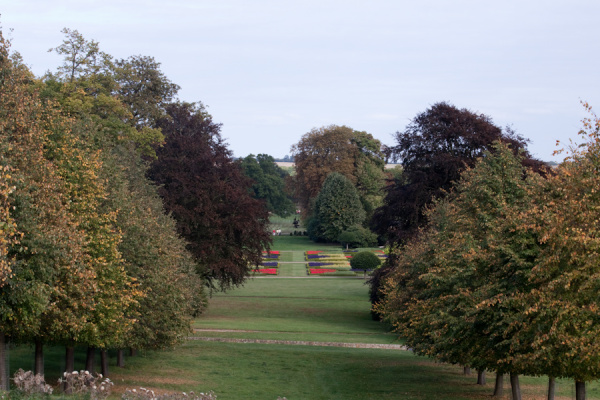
(270, 71)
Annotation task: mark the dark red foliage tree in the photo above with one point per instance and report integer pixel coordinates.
(433, 151)
(208, 195)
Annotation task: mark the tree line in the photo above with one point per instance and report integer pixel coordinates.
(120, 206)
(493, 254)
(502, 273)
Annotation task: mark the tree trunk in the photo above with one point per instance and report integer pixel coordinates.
(579, 390)
(467, 370)
(38, 366)
(120, 359)
(515, 388)
(499, 387)
(551, 387)
(103, 363)
(69, 365)
(90, 360)
(69, 359)
(481, 376)
(132, 352)
(3, 363)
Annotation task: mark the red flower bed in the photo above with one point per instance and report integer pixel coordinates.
(271, 252)
(267, 271)
(314, 251)
(321, 270)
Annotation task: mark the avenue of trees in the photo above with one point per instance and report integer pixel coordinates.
(121, 207)
(107, 241)
(493, 259)
(504, 274)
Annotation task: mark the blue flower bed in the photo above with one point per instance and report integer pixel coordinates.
(311, 256)
(276, 256)
(318, 264)
(270, 264)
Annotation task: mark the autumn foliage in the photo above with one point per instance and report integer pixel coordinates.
(505, 275)
(88, 255)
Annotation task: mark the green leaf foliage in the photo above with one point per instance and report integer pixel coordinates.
(268, 183)
(365, 260)
(337, 208)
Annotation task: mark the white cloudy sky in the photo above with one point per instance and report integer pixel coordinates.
(271, 70)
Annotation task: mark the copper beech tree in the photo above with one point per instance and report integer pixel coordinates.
(433, 150)
(208, 195)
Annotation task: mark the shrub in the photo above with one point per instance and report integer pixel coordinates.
(85, 384)
(29, 384)
(357, 236)
(365, 260)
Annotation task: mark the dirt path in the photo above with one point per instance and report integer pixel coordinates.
(291, 342)
(303, 343)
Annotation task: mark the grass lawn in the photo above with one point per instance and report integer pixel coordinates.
(295, 309)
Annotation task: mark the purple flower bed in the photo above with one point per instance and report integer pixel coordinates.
(276, 256)
(318, 264)
(270, 264)
(311, 256)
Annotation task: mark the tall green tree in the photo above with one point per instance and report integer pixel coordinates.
(269, 183)
(52, 241)
(460, 301)
(337, 208)
(107, 109)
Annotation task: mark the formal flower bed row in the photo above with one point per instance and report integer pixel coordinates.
(320, 256)
(319, 264)
(318, 271)
(273, 264)
(271, 255)
(314, 251)
(265, 271)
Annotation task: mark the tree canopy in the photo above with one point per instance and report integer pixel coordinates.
(269, 183)
(208, 195)
(354, 154)
(433, 150)
(365, 261)
(503, 276)
(337, 208)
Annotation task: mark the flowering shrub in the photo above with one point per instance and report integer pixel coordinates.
(84, 383)
(30, 384)
(147, 394)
